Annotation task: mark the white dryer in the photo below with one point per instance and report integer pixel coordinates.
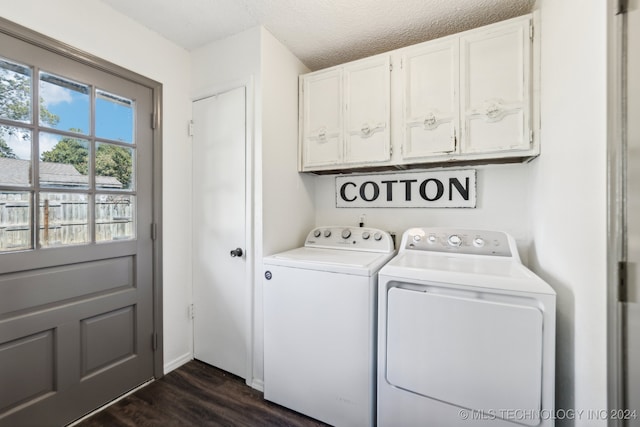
(320, 324)
(466, 333)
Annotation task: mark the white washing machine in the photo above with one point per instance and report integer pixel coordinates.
(466, 333)
(320, 324)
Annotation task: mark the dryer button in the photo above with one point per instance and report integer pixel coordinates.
(455, 240)
(327, 233)
(478, 242)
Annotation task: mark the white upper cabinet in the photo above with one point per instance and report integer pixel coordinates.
(495, 88)
(367, 99)
(322, 122)
(430, 99)
(346, 115)
(468, 97)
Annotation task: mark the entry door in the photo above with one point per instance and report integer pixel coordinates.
(220, 274)
(632, 306)
(76, 250)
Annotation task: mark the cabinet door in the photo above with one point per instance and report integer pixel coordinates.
(322, 119)
(430, 104)
(495, 89)
(367, 98)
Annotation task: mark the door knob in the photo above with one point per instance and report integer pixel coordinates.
(237, 252)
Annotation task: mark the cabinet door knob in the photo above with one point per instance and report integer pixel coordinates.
(365, 129)
(430, 121)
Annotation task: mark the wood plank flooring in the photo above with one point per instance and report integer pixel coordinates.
(197, 394)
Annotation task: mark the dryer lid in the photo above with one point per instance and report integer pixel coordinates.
(503, 274)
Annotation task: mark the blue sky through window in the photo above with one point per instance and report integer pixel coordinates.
(114, 115)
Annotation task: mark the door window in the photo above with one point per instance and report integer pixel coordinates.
(67, 161)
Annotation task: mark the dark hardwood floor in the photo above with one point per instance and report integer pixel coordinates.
(197, 394)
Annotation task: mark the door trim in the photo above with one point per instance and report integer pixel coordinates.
(616, 174)
(252, 169)
(42, 41)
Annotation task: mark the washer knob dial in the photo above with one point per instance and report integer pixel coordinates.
(327, 233)
(432, 238)
(417, 238)
(377, 236)
(366, 235)
(317, 233)
(455, 240)
(478, 242)
(346, 233)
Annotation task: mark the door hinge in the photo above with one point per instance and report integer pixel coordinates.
(622, 281)
(622, 7)
(192, 311)
(154, 120)
(154, 231)
(154, 341)
(390, 67)
(190, 129)
(531, 136)
(531, 30)
(390, 151)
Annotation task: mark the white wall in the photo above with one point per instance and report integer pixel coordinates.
(569, 195)
(92, 26)
(286, 197)
(503, 203)
(282, 199)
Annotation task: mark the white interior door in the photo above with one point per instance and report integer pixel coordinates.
(632, 306)
(220, 279)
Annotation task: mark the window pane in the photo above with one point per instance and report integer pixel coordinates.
(114, 217)
(114, 117)
(15, 156)
(15, 91)
(63, 219)
(64, 161)
(15, 221)
(114, 167)
(64, 104)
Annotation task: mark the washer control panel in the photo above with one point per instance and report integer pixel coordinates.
(353, 238)
(459, 241)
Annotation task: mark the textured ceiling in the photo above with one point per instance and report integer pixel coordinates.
(321, 33)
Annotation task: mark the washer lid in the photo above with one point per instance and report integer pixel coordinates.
(331, 260)
(486, 272)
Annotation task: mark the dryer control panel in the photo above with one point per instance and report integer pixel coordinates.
(459, 241)
(350, 238)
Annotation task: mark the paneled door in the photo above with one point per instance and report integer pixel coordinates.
(430, 99)
(367, 111)
(76, 248)
(495, 80)
(220, 273)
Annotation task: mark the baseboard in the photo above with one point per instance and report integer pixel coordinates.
(258, 384)
(176, 363)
